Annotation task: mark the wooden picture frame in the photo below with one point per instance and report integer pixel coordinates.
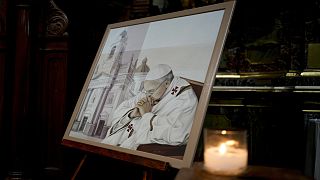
(190, 42)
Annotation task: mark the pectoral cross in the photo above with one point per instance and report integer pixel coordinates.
(174, 90)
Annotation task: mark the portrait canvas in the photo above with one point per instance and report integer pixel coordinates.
(148, 88)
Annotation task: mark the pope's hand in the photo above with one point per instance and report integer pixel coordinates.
(135, 113)
(145, 105)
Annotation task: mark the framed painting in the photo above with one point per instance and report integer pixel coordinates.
(147, 91)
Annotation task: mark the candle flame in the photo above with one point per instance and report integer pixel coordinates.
(223, 132)
(222, 148)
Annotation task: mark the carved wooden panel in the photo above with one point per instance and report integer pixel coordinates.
(51, 86)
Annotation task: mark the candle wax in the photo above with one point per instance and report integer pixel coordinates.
(232, 162)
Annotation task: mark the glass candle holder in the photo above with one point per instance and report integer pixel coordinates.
(225, 152)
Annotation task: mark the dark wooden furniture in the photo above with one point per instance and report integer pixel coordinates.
(33, 74)
(196, 172)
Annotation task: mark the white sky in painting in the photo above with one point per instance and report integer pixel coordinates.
(185, 43)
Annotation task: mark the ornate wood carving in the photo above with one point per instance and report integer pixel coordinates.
(57, 21)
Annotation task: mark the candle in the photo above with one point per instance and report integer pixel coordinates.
(225, 160)
(225, 156)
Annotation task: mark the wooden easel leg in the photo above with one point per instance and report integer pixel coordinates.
(79, 167)
(147, 174)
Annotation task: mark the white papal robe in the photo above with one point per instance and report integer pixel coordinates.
(169, 121)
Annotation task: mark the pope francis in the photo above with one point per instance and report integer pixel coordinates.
(162, 113)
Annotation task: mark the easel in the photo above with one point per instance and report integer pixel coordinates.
(149, 164)
(79, 167)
